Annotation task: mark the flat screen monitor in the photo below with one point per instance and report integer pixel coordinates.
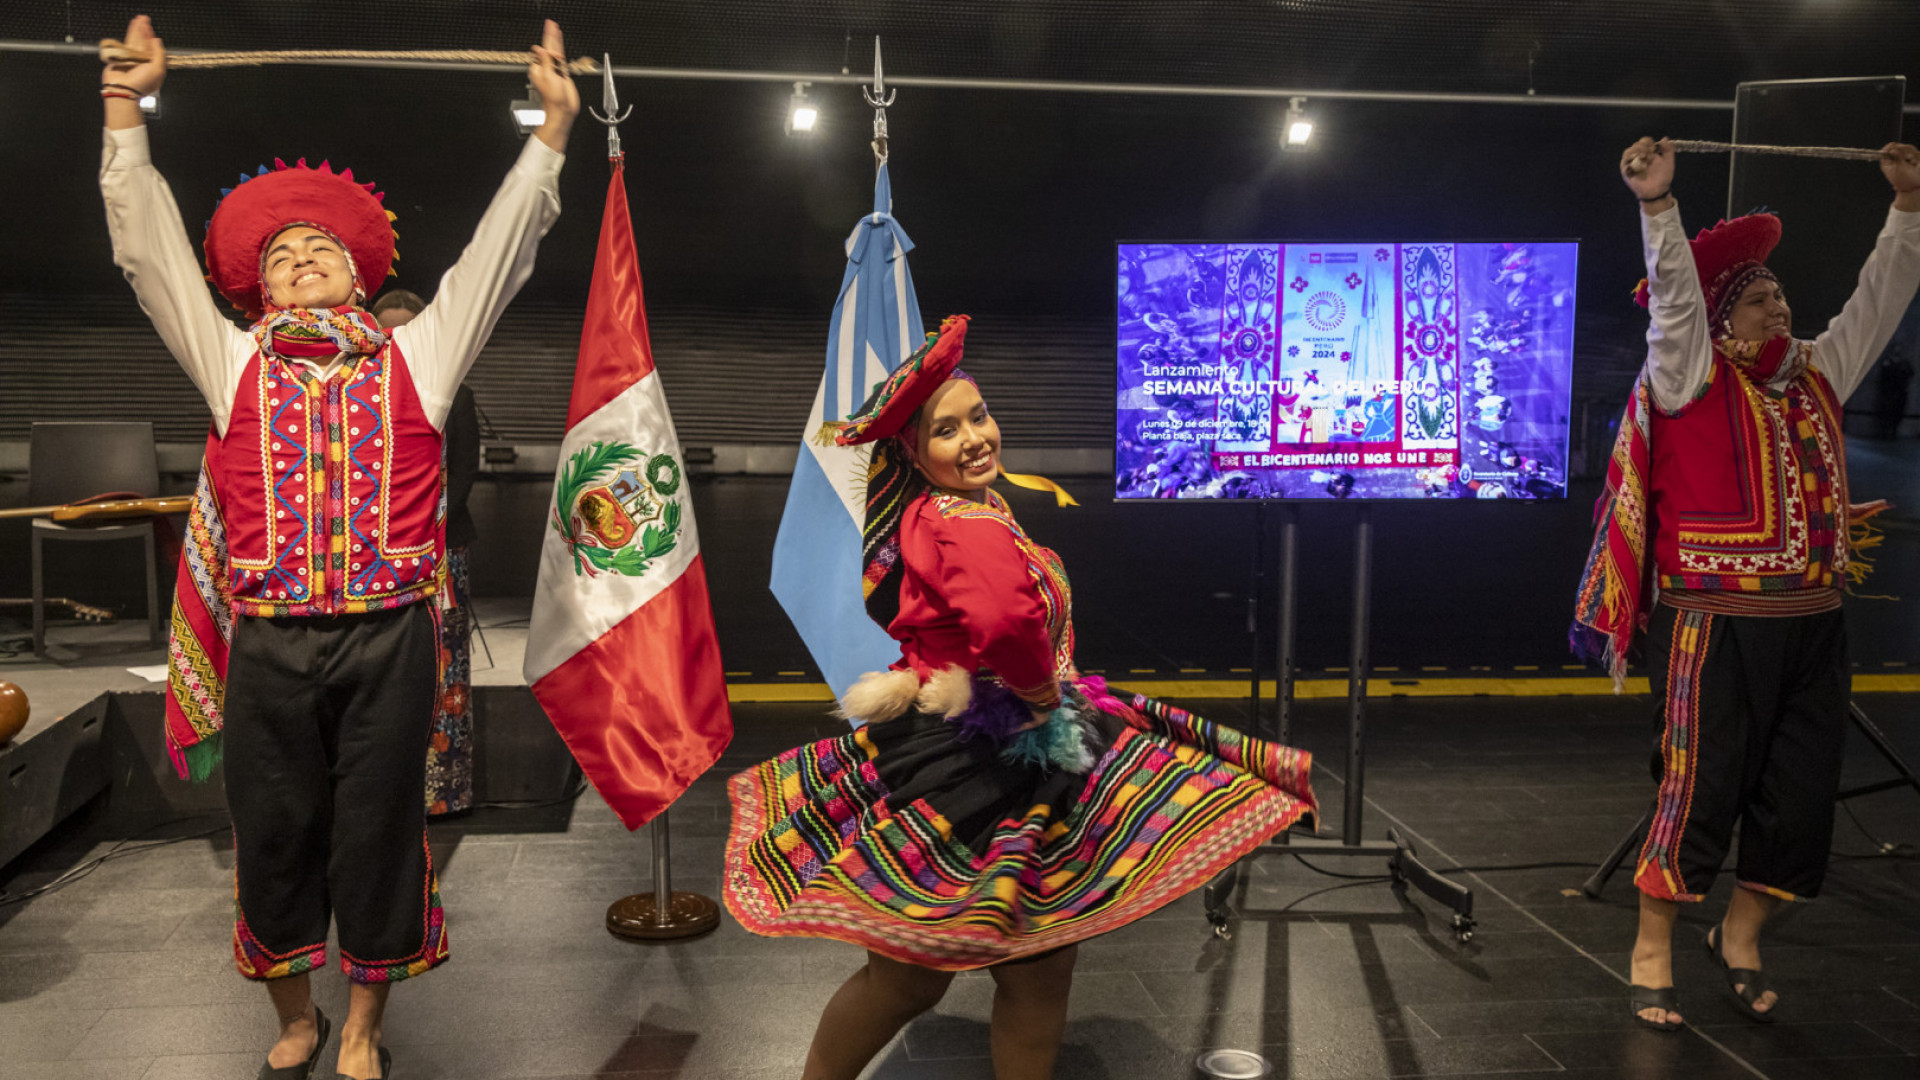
(1375, 370)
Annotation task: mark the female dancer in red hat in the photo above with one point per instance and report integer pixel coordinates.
(997, 807)
(327, 451)
(1728, 488)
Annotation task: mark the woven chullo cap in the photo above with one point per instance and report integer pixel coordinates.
(256, 209)
(1728, 257)
(902, 393)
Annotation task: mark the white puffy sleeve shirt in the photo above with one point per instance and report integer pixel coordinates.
(150, 246)
(1680, 334)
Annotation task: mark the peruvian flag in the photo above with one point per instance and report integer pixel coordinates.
(621, 652)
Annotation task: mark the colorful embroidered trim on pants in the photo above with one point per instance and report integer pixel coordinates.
(1658, 872)
(432, 953)
(1777, 894)
(256, 961)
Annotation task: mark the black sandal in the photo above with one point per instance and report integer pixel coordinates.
(305, 1069)
(1654, 997)
(386, 1067)
(1749, 985)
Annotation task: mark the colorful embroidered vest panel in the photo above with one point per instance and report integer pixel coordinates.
(1749, 487)
(331, 489)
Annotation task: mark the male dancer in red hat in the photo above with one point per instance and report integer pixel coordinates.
(1728, 488)
(327, 449)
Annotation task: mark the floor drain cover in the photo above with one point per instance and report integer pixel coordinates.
(1233, 1064)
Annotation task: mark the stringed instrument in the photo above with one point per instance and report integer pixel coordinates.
(83, 612)
(95, 513)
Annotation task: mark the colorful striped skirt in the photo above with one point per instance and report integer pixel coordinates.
(933, 849)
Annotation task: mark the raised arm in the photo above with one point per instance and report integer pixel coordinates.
(441, 343)
(1856, 336)
(149, 241)
(1679, 333)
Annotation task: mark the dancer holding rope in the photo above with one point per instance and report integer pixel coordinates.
(326, 449)
(1724, 535)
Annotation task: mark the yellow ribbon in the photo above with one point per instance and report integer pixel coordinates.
(1039, 483)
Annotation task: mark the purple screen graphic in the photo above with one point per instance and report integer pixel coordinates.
(1431, 370)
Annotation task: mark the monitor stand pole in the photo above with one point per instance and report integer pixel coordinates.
(1403, 863)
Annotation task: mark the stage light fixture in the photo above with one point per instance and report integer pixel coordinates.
(529, 113)
(1298, 130)
(150, 106)
(802, 112)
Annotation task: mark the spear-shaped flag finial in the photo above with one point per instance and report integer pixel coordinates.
(879, 97)
(611, 102)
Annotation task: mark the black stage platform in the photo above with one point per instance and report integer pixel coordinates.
(125, 973)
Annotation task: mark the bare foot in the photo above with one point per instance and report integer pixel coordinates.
(1653, 968)
(1742, 954)
(359, 1054)
(297, 1040)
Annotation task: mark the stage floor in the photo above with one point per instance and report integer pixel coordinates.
(125, 973)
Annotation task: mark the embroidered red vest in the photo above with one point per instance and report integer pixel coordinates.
(331, 489)
(1749, 486)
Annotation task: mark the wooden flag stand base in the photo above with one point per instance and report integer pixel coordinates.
(685, 915)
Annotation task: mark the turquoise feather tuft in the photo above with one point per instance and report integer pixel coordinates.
(1060, 743)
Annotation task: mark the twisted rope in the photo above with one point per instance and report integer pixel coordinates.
(112, 51)
(1845, 153)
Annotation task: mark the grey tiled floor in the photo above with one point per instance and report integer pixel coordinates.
(125, 973)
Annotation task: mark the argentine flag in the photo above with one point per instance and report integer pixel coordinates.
(816, 557)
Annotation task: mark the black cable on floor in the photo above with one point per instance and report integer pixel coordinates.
(118, 851)
(1337, 874)
(1517, 866)
(1884, 850)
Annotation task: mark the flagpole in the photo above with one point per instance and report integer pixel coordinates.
(879, 97)
(661, 915)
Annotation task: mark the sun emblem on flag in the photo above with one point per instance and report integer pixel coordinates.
(614, 508)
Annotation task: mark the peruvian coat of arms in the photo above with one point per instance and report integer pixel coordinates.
(614, 508)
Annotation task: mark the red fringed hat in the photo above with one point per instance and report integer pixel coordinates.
(902, 393)
(256, 209)
(1728, 257)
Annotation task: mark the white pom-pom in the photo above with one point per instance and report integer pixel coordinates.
(879, 696)
(946, 693)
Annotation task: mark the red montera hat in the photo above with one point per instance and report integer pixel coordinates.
(1728, 257)
(260, 206)
(901, 394)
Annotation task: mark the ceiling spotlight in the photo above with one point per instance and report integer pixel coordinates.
(802, 113)
(150, 105)
(529, 113)
(1299, 129)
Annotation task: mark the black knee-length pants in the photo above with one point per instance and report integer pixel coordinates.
(326, 726)
(1753, 724)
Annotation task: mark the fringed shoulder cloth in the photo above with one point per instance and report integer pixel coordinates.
(200, 635)
(1615, 597)
(1610, 608)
